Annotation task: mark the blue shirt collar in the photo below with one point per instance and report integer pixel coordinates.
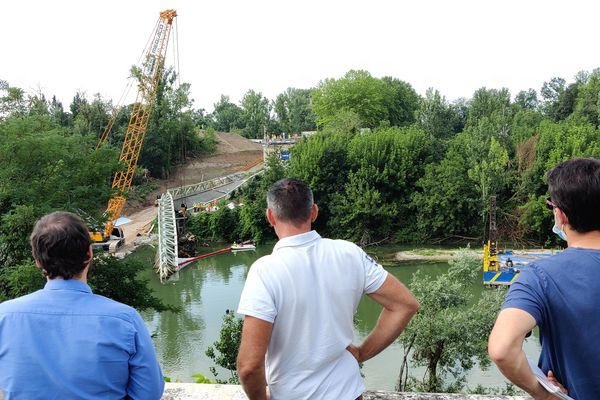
(67, 284)
(297, 240)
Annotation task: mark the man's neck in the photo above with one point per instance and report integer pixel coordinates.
(588, 240)
(287, 230)
(81, 277)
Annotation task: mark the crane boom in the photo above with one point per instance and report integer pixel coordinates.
(148, 80)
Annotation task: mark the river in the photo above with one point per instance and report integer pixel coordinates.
(206, 289)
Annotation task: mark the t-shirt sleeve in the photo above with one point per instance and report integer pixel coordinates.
(374, 273)
(527, 294)
(256, 299)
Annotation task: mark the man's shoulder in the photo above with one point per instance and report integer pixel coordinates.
(43, 301)
(112, 307)
(266, 261)
(564, 261)
(339, 242)
(19, 303)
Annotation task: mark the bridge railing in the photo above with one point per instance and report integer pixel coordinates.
(190, 190)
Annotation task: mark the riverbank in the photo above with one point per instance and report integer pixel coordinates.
(445, 255)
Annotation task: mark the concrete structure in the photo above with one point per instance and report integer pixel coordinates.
(277, 146)
(192, 391)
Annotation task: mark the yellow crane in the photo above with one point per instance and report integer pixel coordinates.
(149, 76)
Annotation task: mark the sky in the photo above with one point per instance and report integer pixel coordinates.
(230, 46)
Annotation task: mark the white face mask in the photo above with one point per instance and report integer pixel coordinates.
(558, 230)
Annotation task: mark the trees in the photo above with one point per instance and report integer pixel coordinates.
(253, 222)
(227, 116)
(588, 98)
(436, 116)
(13, 101)
(445, 203)
(373, 100)
(43, 168)
(383, 167)
(293, 111)
(172, 135)
(527, 100)
(402, 101)
(256, 114)
(227, 348)
(449, 333)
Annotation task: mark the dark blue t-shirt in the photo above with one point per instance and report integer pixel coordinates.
(562, 293)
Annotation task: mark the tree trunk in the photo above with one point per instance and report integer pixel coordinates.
(400, 386)
(434, 383)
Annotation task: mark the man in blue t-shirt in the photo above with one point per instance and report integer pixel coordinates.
(559, 294)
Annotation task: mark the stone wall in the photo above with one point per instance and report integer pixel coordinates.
(192, 391)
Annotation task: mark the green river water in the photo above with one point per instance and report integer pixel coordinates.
(206, 289)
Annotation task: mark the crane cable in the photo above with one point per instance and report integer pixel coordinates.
(176, 63)
(128, 86)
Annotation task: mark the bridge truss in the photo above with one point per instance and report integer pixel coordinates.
(167, 261)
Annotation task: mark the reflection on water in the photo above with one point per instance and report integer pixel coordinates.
(206, 289)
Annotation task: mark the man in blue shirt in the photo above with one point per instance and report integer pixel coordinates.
(63, 342)
(559, 294)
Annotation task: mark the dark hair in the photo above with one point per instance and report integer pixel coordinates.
(291, 200)
(574, 187)
(60, 243)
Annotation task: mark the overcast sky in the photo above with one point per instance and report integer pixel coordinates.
(230, 46)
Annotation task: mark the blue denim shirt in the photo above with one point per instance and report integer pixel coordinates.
(63, 342)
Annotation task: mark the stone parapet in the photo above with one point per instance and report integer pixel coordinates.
(192, 391)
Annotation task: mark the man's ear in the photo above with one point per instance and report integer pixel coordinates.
(314, 213)
(42, 271)
(90, 254)
(561, 218)
(270, 217)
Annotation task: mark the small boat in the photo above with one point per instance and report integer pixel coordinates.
(243, 247)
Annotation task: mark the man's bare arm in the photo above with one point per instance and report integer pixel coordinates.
(256, 335)
(505, 347)
(399, 306)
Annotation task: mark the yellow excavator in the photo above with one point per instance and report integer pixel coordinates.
(111, 236)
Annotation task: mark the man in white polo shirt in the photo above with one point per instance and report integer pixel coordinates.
(299, 304)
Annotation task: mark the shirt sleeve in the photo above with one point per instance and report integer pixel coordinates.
(374, 273)
(145, 377)
(256, 299)
(527, 294)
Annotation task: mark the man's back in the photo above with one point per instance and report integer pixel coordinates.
(63, 342)
(561, 293)
(309, 288)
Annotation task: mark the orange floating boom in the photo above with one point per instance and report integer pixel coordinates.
(214, 253)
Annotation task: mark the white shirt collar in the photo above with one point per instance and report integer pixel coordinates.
(297, 240)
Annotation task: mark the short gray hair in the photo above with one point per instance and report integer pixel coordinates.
(291, 200)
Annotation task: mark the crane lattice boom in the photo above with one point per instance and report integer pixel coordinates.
(149, 77)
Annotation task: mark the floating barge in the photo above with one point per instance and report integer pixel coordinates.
(502, 269)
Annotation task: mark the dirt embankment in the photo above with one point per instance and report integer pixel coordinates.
(233, 154)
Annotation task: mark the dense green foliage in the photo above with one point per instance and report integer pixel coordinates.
(375, 101)
(224, 351)
(449, 333)
(431, 176)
